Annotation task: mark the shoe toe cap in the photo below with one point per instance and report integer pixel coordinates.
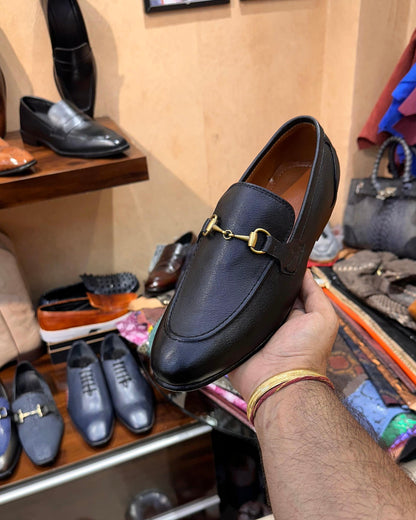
(98, 431)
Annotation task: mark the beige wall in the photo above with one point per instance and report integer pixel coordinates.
(199, 91)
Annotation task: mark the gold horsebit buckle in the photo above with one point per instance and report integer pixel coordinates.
(227, 234)
(41, 411)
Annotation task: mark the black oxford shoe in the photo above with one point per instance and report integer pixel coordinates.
(249, 261)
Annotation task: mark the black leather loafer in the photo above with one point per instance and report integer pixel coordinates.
(66, 129)
(73, 61)
(249, 261)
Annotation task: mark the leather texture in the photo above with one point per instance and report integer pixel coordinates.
(230, 300)
(40, 435)
(131, 394)
(73, 60)
(66, 129)
(3, 98)
(89, 402)
(14, 160)
(165, 274)
(9, 443)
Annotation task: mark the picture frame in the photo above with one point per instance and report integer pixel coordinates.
(152, 6)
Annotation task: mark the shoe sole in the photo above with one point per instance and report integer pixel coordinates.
(35, 141)
(19, 169)
(57, 336)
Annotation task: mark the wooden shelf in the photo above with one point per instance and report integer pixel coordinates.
(55, 175)
(73, 448)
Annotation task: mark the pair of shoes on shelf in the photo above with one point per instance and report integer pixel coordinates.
(96, 387)
(165, 272)
(250, 259)
(35, 416)
(95, 305)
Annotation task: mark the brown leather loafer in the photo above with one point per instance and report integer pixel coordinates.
(14, 160)
(165, 274)
(248, 264)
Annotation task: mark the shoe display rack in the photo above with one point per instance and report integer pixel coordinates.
(104, 482)
(55, 175)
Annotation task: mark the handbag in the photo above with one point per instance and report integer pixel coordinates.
(381, 212)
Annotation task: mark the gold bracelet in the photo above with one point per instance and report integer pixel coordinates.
(278, 382)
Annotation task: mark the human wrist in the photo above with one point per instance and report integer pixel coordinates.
(280, 406)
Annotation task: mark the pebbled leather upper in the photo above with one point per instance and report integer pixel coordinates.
(230, 300)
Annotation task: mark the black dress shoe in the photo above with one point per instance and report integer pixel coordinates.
(130, 392)
(2, 105)
(74, 64)
(39, 424)
(9, 443)
(66, 129)
(89, 403)
(249, 261)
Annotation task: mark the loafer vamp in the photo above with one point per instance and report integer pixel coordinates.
(226, 272)
(186, 365)
(40, 436)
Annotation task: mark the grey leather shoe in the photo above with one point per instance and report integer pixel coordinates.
(39, 424)
(131, 394)
(89, 403)
(9, 443)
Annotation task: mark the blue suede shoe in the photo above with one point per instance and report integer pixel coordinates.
(131, 394)
(9, 443)
(39, 424)
(89, 403)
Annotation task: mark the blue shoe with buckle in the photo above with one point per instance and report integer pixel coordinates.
(9, 443)
(89, 402)
(130, 392)
(39, 424)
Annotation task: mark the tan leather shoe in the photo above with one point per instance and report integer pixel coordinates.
(75, 318)
(14, 160)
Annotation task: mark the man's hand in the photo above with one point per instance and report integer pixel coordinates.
(304, 341)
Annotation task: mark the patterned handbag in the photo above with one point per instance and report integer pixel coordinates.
(381, 212)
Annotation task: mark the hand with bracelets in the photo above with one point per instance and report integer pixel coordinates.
(304, 342)
(318, 461)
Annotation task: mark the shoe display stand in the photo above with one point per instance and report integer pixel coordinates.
(86, 482)
(55, 175)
